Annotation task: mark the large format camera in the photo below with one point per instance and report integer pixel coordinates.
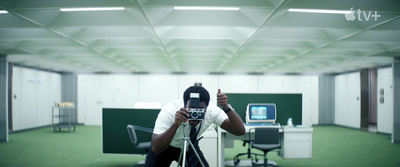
(195, 113)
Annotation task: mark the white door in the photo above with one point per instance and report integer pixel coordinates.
(353, 100)
(341, 99)
(385, 107)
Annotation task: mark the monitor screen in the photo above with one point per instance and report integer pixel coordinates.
(261, 113)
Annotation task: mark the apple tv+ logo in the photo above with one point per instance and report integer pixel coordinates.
(367, 15)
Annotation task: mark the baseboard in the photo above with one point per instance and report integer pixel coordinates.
(365, 130)
(39, 127)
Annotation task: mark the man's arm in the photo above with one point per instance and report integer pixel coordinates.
(234, 124)
(160, 142)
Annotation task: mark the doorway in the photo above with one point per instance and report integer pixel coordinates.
(369, 100)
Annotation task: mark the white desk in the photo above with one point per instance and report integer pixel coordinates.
(296, 142)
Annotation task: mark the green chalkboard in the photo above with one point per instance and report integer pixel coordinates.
(287, 105)
(115, 135)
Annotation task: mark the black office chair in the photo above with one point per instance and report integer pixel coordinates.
(266, 139)
(145, 146)
(249, 155)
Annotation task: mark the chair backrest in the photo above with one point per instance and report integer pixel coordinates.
(132, 134)
(266, 136)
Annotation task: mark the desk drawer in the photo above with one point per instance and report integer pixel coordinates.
(297, 136)
(297, 150)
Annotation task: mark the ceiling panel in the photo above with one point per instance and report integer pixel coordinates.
(149, 36)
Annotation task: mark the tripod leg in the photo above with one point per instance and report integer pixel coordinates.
(183, 152)
(180, 159)
(195, 152)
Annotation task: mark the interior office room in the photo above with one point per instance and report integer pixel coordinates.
(114, 63)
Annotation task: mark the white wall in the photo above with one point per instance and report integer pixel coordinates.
(34, 92)
(385, 110)
(123, 91)
(347, 100)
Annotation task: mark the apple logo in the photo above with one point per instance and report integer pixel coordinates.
(350, 16)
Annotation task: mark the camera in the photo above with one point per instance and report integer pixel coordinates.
(195, 113)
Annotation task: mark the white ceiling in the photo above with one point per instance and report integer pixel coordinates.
(150, 36)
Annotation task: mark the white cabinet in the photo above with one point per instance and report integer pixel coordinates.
(296, 143)
(98, 94)
(34, 92)
(104, 91)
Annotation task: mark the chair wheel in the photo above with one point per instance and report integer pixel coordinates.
(236, 162)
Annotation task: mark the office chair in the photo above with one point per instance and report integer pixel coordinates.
(249, 154)
(145, 146)
(266, 139)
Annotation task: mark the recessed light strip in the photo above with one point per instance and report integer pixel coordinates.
(204, 8)
(3, 12)
(321, 11)
(90, 9)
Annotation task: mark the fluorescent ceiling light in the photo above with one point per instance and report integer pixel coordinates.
(321, 11)
(3, 12)
(90, 9)
(204, 8)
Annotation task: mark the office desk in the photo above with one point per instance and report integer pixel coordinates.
(296, 142)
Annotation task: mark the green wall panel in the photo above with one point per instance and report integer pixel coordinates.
(287, 105)
(114, 133)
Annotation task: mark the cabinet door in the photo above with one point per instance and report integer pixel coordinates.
(92, 102)
(98, 94)
(16, 99)
(125, 91)
(43, 103)
(106, 95)
(28, 98)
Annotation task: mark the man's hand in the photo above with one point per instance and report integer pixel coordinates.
(181, 116)
(233, 124)
(160, 142)
(222, 99)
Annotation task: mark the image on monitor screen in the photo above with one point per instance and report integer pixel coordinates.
(258, 112)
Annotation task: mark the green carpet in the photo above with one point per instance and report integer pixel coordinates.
(43, 147)
(338, 146)
(332, 146)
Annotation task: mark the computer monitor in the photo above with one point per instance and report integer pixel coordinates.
(261, 113)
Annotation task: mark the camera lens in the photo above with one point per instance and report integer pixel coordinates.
(195, 115)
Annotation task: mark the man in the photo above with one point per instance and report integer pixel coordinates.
(166, 142)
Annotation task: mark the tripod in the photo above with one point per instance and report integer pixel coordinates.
(185, 145)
